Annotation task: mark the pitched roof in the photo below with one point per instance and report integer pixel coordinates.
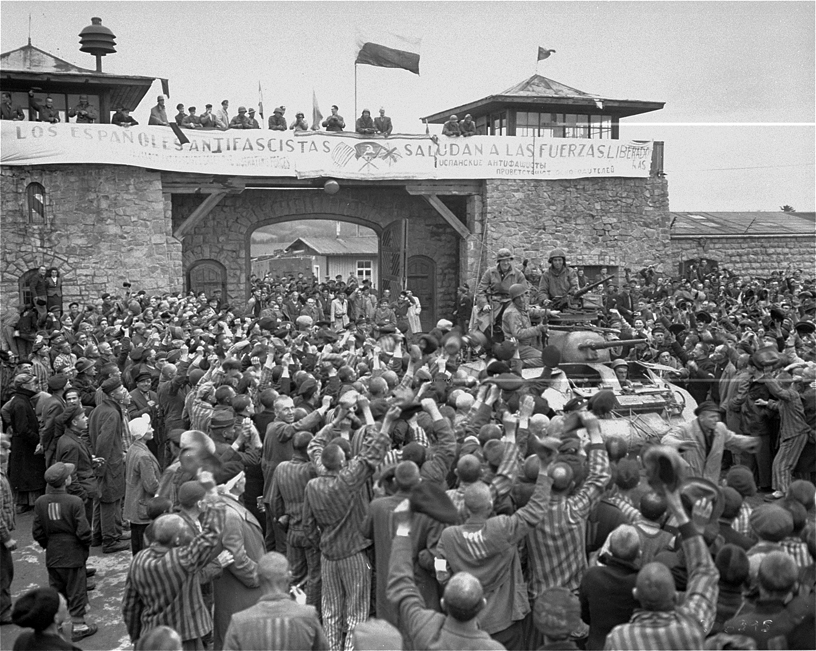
(33, 59)
(538, 86)
(29, 65)
(743, 223)
(336, 246)
(540, 93)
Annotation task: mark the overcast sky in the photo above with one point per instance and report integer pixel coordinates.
(737, 77)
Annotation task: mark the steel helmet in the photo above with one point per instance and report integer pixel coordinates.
(618, 363)
(516, 290)
(503, 254)
(557, 253)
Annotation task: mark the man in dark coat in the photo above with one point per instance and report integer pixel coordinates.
(26, 468)
(107, 430)
(237, 587)
(383, 124)
(73, 448)
(61, 528)
(380, 526)
(84, 381)
(51, 408)
(606, 590)
(38, 285)
(771, 621)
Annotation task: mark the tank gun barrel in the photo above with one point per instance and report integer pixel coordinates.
(598, 345)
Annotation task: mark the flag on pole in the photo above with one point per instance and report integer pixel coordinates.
(260, 100)
(544, 53)
(317, 116)
(387, 50)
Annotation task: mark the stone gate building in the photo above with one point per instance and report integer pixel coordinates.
(104, 224)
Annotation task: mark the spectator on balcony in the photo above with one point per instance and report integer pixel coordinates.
(299, 123)
(158, 114)
(207, 119)
(240, 121)
(45, 113)
(383, 124)
(468, 126)
(84, 112)
(222, 118)
(335, 121)
(191, 121)
(181, 114)
(9, 112)
(276, 121)
(251, 121)
(122, 118)
(365, 125)
(451, 127)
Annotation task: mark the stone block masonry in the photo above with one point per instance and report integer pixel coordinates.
(608, 221)
(103, 224)
(756, 255)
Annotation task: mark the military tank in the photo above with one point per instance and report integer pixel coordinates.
(646, 405)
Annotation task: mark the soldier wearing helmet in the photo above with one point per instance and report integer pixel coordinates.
(559, 282)
(621, 368)
(493, 292)
(516, 326)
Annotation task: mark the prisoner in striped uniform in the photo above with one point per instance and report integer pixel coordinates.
(288, 488)
(162, 586)
(557, 546)
(335, 506)
(659, 624)
(487, 548)
(793, 429)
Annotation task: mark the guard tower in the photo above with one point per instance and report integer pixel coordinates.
(542, 107)
(30, 68)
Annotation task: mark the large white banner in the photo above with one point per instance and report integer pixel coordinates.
(496, 157)
(349, 156)
(234, 152)
(321, 154)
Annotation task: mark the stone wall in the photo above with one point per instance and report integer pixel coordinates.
(614, 222)
(103, 224)
(224, 235)
(754, 256)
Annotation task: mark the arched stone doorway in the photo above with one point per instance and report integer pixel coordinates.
(421, 276)
(209, 276)
(224, 234)
(24, 286)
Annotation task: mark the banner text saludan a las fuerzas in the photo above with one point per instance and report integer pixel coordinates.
(321, 154)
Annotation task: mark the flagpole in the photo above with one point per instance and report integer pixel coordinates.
(355, 91)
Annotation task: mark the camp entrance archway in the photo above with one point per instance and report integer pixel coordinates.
(223, 232)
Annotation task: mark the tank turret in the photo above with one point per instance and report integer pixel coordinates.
(578, 345)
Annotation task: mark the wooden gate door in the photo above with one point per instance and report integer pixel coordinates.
(422, 282)
(208, 276)
(392, 257)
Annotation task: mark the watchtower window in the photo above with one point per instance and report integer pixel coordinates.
(35, 203)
